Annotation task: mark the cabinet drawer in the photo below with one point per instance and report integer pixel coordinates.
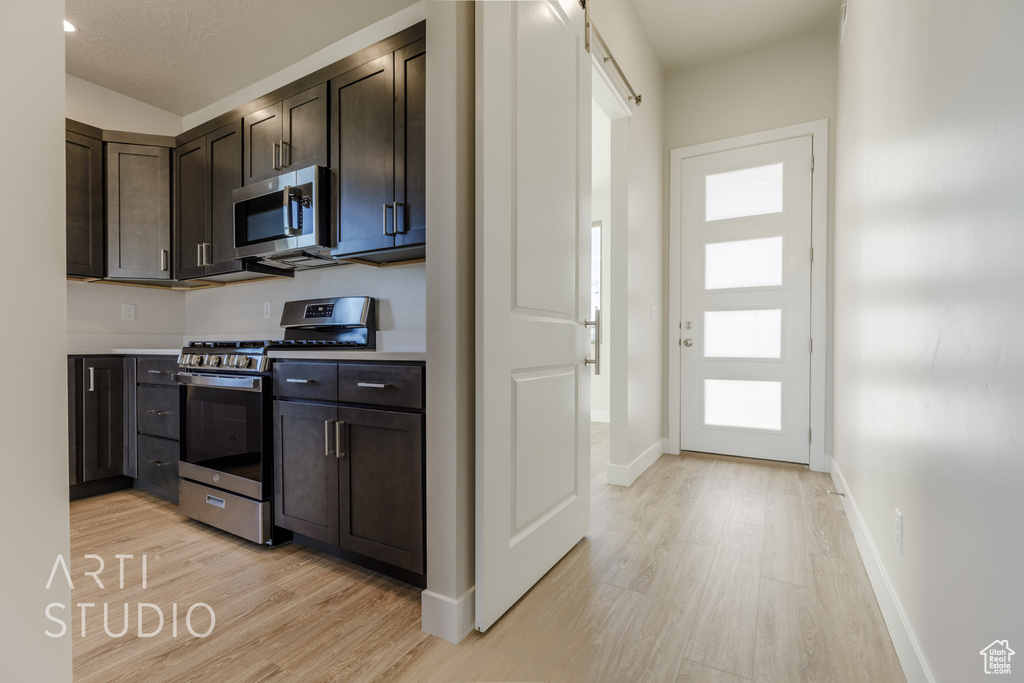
(314, 381)
(399, 386)
(156, 370)
(158, 411)
(158, 462)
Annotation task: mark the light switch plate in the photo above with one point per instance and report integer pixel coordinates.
(266, 309)
(128, 312)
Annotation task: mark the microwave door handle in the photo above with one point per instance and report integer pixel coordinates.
(289, 224)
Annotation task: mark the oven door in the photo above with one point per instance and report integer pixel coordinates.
(223, 440)
(279, 215)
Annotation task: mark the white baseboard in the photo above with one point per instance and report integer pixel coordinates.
(625, 475)
(915, 668)
(600, 416)
(447, 618)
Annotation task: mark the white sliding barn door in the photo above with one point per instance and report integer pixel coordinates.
(532, 295)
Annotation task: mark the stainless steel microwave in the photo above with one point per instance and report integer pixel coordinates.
(281, 215)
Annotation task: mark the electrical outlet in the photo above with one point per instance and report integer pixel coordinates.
(899, 531)
(128, 312)
(266, 309)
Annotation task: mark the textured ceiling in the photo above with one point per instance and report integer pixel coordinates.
(182, 55)
(684, 33)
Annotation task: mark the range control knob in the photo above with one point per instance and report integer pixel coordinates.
(213, 361)
(196, 360)
(243, 362)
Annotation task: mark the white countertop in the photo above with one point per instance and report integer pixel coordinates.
(291, 354)
(368, 356)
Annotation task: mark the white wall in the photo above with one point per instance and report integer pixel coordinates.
(33, 404)
(791, 82)
(929, 363)
(237, 310)
(646, 355)
(97, 106)
(388, 22)
(95, 322)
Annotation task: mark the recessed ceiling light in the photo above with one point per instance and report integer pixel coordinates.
(69, 27)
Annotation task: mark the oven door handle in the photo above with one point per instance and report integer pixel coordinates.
(220, 382)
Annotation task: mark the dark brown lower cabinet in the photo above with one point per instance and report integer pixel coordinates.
(96, 424)
(352, 478)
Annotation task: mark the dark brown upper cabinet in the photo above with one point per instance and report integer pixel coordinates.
(379, 153)
(206, 171)
(138, 212)
(83, 158)
(286, 136)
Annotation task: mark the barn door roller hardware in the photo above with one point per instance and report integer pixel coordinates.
(605, 55)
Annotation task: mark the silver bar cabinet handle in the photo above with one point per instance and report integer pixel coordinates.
(327, 438)
(384, 220)
(285, 161)
(199, 255)
(207, 254)
(338, 427)
(157, 412)
(296, 380)
(372, 385)
(164, 261)
(595, 323)
(394, 218)
(277, 155)
(92, 379)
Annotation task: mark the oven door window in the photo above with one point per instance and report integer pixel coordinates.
(223, 430)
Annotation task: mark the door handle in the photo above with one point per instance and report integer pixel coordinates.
(687, 342)
(384, 220)
(394, 218)
(596, 324)
(339, 427)
(199, 255)
(276, 161)
(92, 379)
(164, 261)
(328, 451)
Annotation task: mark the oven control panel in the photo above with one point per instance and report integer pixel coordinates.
(319, 311)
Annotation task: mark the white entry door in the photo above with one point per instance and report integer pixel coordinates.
(532, 295)
(746, 300)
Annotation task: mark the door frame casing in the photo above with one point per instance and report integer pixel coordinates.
(818, 130)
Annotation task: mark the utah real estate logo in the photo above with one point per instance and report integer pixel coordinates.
(997, 657)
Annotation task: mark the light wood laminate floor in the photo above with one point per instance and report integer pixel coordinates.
(707, 569)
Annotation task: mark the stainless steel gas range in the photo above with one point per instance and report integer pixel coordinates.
(226, 468)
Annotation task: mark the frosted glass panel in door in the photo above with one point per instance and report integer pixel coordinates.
(743, 263)
(743, 403)
(743, 334)
(748, 192)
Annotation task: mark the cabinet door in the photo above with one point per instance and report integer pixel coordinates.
(381, 486)
(304, 129)
(138, 211)
(261, 144)
(102, 418)
(83, 157)
(74, 403)
(225, 176)
(306, 469)
(130, 467)
(411, 144)
(363, 123)
(191, 209)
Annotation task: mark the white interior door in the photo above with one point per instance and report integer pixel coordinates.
(532, 295)
(746, 301)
